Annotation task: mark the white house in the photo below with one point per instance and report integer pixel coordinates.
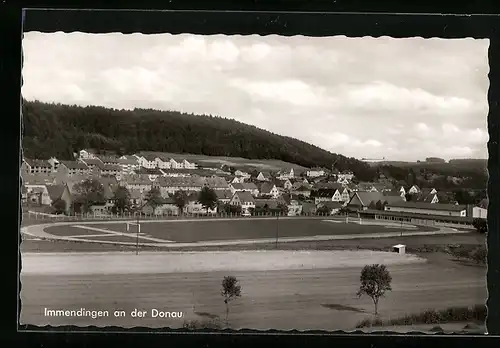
(268, 189)
(315, 172)
(161, 164)
(286, 174)
(86, 154)
(414, 190)
(479, 212)
(245, 187)
(174, 164)
(146, 162)
(242, 174)
(264, 176)
(188, 165)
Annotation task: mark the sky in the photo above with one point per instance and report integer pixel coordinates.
(398, 99)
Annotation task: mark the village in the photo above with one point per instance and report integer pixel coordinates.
(289, 192)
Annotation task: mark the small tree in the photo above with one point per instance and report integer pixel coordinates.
(59, 206)
(121, 199)
(88, 193)
(282, 208)
(207, 198)
(479, 255)
(180, 199)
(375, 281)
(481, 225)
(230, 290)
(154, 198)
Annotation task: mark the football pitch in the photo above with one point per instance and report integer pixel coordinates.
(181, 231)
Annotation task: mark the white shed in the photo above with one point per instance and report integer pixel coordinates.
(399, 248)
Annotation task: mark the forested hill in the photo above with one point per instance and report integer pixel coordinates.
(59, 130)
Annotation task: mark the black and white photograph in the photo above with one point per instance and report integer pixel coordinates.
(254, 182)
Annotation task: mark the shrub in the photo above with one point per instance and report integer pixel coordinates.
(448, 315)
(481, 225)
(479, 255)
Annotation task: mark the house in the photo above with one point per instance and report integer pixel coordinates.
(73, 168)
(128, 164)
(427, 196)
(109, 159)
(293, 204)
(333, 192)
(193, 206)
(428, 208)
(269, 189)
(414, 190)
(481, 210)
(54, 162)
(146, 161)
(111, 169)
(264, 176)
(315, 172)
(137, 197)
(166, 206)
(266, 203)
(302, 189)
(86, 154)
(60, 192)
(287, 173)
(242, 174)
(287, 184)
(38, 195)
(236, 180)
(36, 166)
(382, 186)
(169, 185)
(137, 182)
(224, 196)
(161, 164)
(216, 183)
(345, 177)
(188, 164)
(93, 163)
(367, 187)
(333, 207)
(38, 179)
(243, 199)
(362, 200)
(245, 187)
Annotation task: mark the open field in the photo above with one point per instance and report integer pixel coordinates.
(286, 299)
(412, 243)
(261, 164)
(237, 229)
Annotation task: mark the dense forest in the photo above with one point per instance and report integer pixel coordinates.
(59, 130)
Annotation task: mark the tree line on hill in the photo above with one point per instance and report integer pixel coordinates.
(57, 130)
(60, 130)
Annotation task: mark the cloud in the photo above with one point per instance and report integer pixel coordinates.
(363, 97)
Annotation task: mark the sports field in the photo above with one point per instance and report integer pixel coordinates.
(280, 296)
(180, 231)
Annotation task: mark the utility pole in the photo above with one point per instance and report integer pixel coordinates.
(137, 237)
(277, 229)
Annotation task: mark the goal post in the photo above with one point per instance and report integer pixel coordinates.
(133, 224)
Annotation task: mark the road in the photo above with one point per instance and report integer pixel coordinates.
(286, 299)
